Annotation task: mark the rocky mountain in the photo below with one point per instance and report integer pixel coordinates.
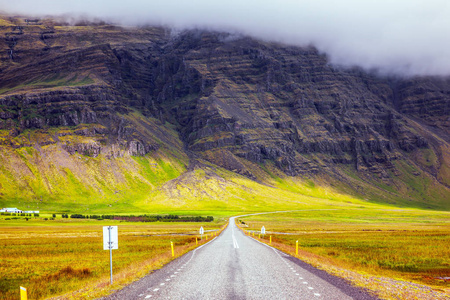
(108, 113)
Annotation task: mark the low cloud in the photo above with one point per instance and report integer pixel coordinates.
(403, 37)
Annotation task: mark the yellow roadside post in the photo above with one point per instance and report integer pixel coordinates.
(171, 245)
(259, 236)
(270, 240)
(253, 233)
(23, 293)
(296, 247)
(196, 241)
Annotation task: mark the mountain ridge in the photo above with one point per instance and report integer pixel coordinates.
(261, 110)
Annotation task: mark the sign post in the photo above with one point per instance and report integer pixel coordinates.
(202, 231)
(263, 231)
(110, 242)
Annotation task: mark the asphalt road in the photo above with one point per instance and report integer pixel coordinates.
(235, 266)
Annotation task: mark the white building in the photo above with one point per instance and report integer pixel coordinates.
(18, 211)
(11, 210)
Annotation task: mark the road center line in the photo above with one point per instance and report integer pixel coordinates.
(235, 243)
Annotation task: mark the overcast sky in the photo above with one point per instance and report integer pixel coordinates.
(409, 37)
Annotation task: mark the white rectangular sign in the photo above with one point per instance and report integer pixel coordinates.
(114, 238)
(263, 230)
(202, 231)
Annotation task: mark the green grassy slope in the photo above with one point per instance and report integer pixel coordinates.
(47, 178)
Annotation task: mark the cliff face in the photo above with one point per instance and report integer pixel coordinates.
(240, 104)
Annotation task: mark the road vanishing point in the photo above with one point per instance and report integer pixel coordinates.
(236, 266)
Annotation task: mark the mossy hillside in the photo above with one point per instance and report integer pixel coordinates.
(444, 170)
(80, 181)
(157, 186)
(414, 183)
(48, 177)
(164, 134)
(268, 175)
(4, 22)
(406, 187)
(221, 190)
(51, 81)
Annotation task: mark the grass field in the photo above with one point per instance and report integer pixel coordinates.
(55, 257)
(398, 243)
(65, 256)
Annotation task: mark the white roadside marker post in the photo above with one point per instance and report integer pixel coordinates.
(110, 242)
(202, 231)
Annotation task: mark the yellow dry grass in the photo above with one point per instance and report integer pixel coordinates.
(60, 258)
(399, 254)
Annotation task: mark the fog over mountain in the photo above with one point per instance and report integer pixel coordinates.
(394, 37)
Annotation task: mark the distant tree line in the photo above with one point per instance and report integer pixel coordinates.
(19, 214)
(143, 218)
